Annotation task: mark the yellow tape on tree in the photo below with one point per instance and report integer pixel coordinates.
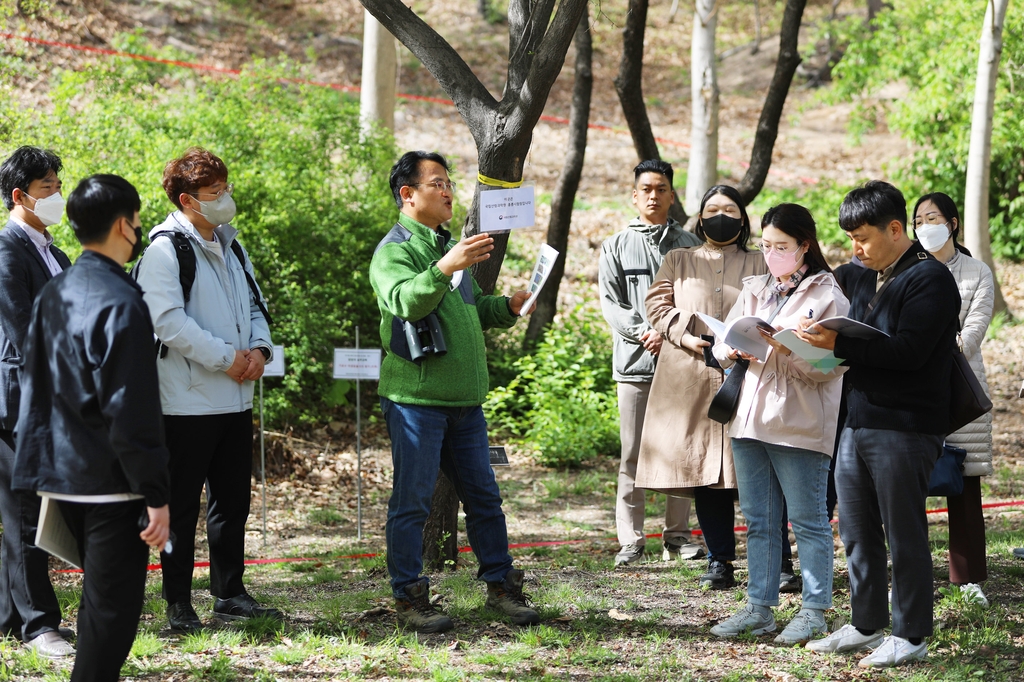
(491, 182)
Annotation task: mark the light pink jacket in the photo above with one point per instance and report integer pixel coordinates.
(784, 400)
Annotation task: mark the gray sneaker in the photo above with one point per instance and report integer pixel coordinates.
(747, 619)
(628, 555)
(509, 598)
(418, 613)
(807, 624)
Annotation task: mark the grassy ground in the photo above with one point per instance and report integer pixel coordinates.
(647, 623)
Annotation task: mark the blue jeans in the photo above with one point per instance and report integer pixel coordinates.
(425, 439)
(770, 477)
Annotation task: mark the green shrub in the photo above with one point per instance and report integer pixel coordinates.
(561, 402)
(312, 195)
(931, 48)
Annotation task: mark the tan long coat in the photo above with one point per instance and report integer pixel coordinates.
(681, 448)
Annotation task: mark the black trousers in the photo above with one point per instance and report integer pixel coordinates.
(28, 605)
(215, 451)
(716, 514)
(882, 478)
(114, 559)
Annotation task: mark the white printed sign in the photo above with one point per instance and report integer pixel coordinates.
(275, 368)
(361, 363)
(506, 209)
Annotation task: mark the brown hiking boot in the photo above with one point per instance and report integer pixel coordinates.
(509, 598)
(418, 613)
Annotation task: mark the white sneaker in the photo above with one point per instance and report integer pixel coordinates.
(745, 620)
(50, 645)
(972, 593)
(684, 552)
(807, 624)
(846, 638)
(629, 554)
(894, 651)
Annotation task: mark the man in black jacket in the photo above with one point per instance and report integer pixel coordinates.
(898, 398)
(90, 432)
(28, 260)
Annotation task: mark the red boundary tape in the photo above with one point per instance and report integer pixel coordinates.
(516, 545)
(352, 88)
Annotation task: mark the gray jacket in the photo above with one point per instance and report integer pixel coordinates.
(629, 262)
(203, 334)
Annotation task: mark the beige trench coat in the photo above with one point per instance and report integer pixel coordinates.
(681, 448)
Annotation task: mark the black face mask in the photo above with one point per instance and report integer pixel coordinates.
(137, 246)
(721, 228)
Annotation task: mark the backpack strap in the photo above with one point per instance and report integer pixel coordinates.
(186, 260)
(236, 248)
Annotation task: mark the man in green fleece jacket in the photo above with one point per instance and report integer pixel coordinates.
(432, 403)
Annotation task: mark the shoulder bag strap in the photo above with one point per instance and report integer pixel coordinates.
(910, 262)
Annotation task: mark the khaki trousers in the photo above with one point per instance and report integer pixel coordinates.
(629, 502)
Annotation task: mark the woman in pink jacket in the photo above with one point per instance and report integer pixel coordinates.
(784, 429)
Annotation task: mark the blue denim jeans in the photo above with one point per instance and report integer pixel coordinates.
(770, 477)
(424, 440)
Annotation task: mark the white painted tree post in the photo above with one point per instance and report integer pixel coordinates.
(380, 71)
(980, 155)
(702, 171)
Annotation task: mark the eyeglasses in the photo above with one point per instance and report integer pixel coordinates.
(439, 185)
(217, 195)
(781, 248)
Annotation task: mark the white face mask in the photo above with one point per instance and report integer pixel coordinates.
(49, 209)
(219, 211)
(932, 237)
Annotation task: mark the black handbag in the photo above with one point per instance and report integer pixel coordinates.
(967, 399)
(723, 405)
(948, 474)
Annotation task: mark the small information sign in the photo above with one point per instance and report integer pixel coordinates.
(506, 209)
(498, 456)
(357, 363)
(275, 368)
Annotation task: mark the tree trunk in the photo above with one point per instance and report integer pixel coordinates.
(568, 182)
(702, 171)
(380, 69)
(976, 201)
(874, 7)
(440, 533)
(629, 86)
(771, 112)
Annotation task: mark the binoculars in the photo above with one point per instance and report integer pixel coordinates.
(424, 338)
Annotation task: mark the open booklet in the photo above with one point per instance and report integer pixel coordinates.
(53, 534)
(744, 334)
(541, 271)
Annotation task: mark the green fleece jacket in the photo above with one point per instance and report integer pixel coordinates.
(409, 286)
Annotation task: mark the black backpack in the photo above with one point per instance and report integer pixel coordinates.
(186, 254)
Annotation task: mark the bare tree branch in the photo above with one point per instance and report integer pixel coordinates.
(471, 97)
(771, 112)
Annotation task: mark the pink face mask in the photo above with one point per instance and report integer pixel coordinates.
(782, 264)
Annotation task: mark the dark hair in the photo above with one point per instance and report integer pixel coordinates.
(877, 204)
(97, 203)
(22, 167)
(406, 171)
(196, 168)
(797, 222)
(653, 166)
(949, 211)
(744, 236)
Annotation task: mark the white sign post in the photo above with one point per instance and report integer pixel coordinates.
(274, 368)
(506, 209)
(358, 363)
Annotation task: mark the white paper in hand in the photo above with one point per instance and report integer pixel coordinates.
(541, 272)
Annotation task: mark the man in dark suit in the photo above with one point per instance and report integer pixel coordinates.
(28, 260)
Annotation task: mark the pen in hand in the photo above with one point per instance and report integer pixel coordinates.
(810, 316)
